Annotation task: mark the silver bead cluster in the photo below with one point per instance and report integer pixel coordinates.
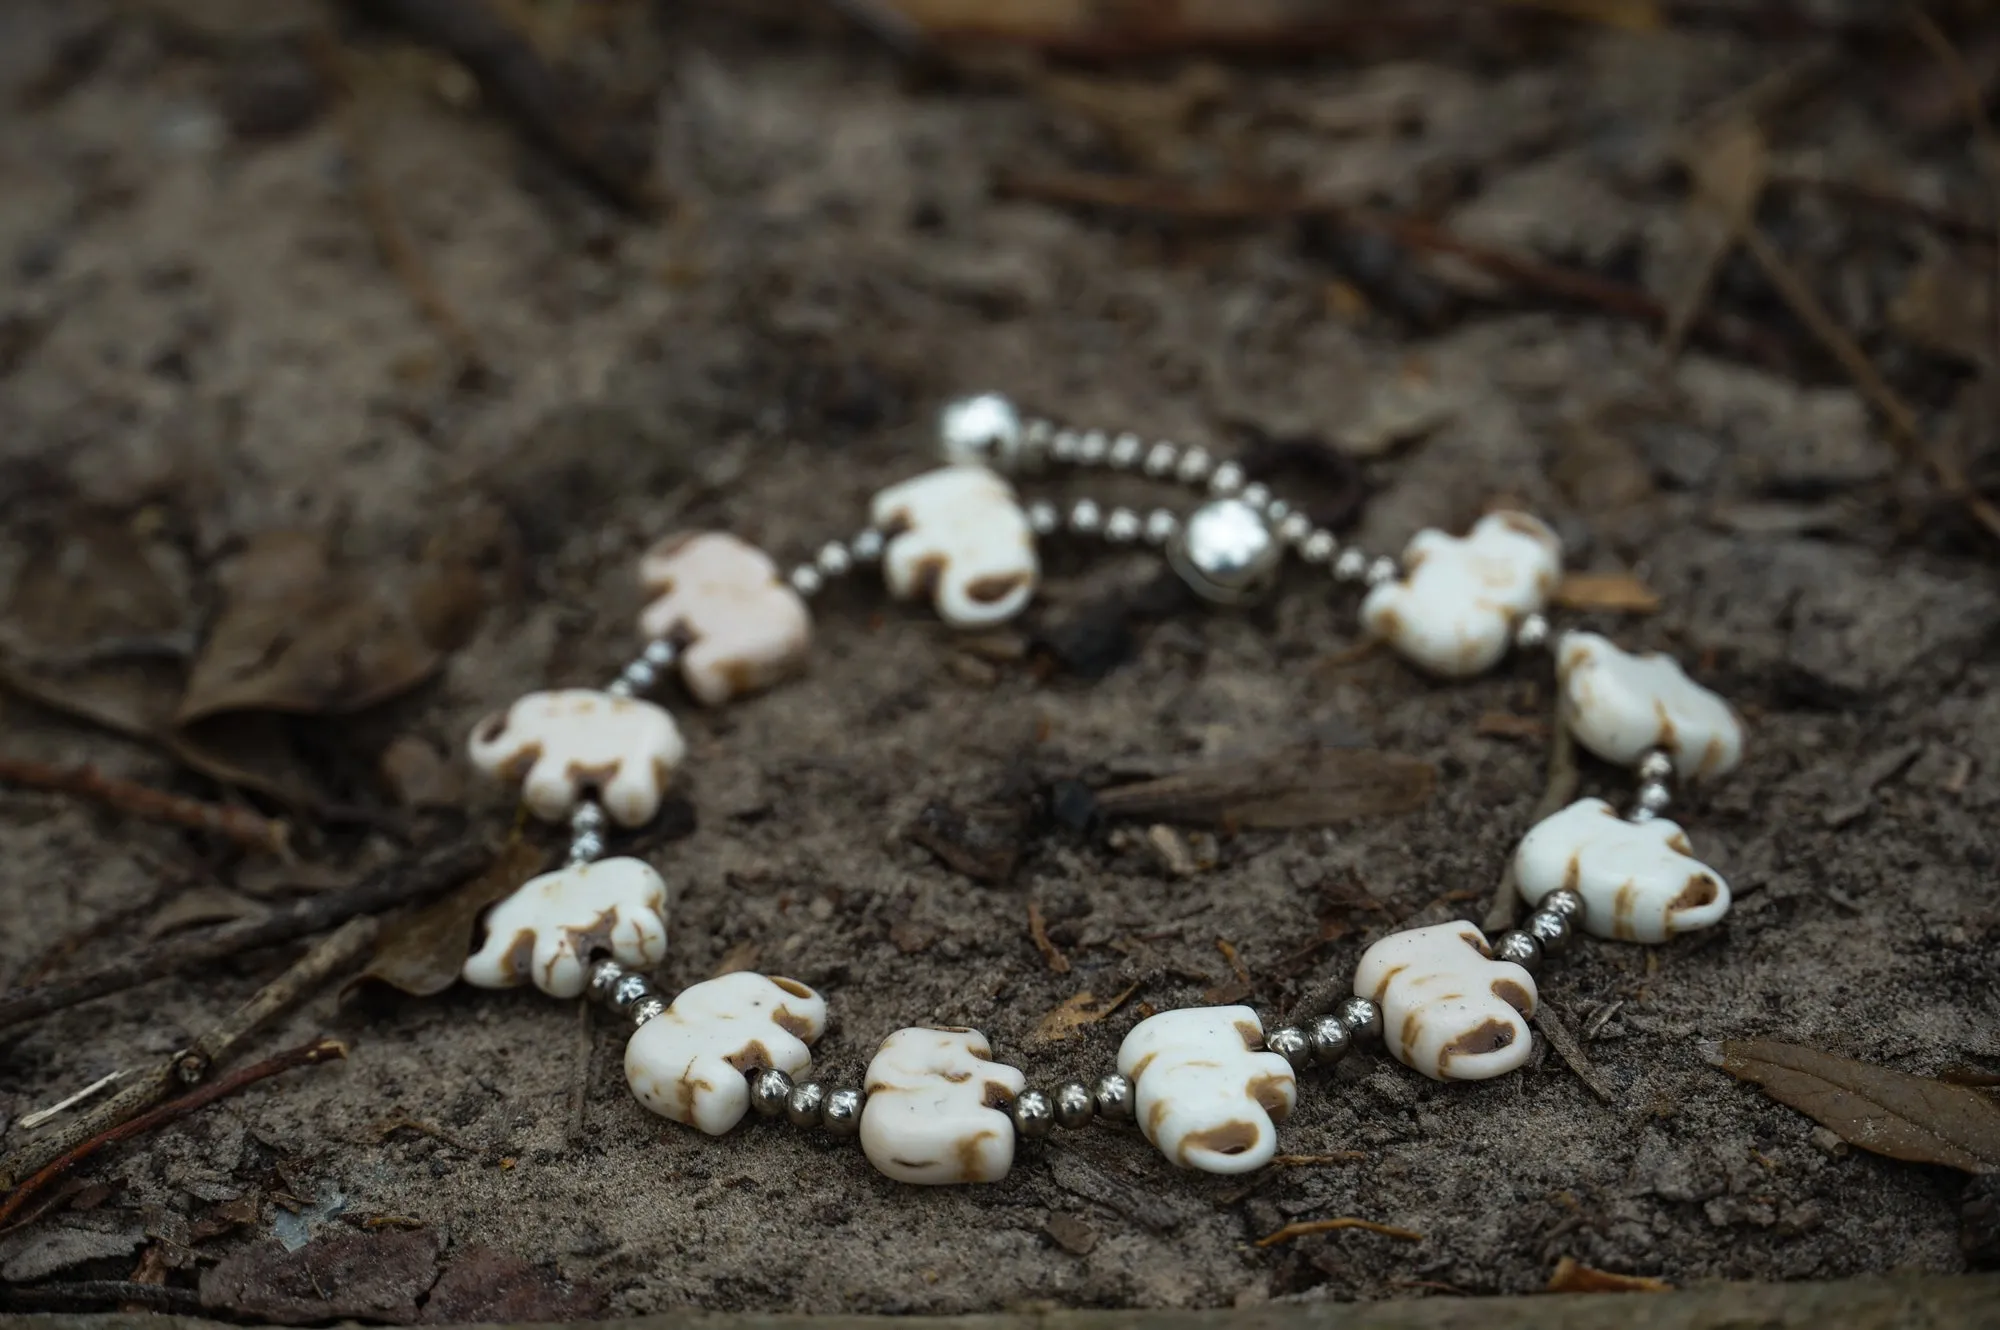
(1072, 1106)
(642, 674)
(836, 559)
(1654, 796)
(774, 1094)
(586, 832)
(1544, 933)
(626, 992)
(1323, 1043)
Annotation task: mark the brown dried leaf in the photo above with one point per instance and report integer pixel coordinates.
(983, 843)
(1076, 1012)
(1888, 1112)
(422, 954)
(1619, 593)
(1305, 785)
(1574, 1277)
(1729, 165)
(375, 1276)
(483, 1286)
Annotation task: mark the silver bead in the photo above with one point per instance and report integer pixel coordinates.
(646, 1009)
(802, 1107)
(585, 847)
(1085, 517)
(1564, 902)
(1126, 450)
(587, 816)
(841, 1113)
(770, 1092)
(604, 976)
(618, 688)
(1194, 466)
(1074, 1106)
(1034, 1115)
(1122, 527)
(1161, 460)
(1532, 633)
(1292, 1044)
(1656, 765)
(1654, 796)
(660, 653)
(630, 990)
(641, 675)
(1330, 1040)
(1276, 511)
(1317, 547)
(1035, 441)
(806, 580)
(1068, 443)
(1550, 929)
(834, 560)
(1226, 480)
(1362, 1018)
(1258, 496)
(1043, 517)
(983, 430)
(866, 547)
(1226, 552)
(1382, 570)
(1293, 528)
(1115, 1098)
(1351, 565)
(1161, 526)
(1092, 449)
(1520, 948)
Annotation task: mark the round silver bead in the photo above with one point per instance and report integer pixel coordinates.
(1126, 451)
(1565, 903)
(1085, 517)
(866, 547)
(641, 675)
(629, 991)
(1066, 445)
(770, 1092)
(1362, 1018)
(585, 847)
(1161, 526)
(1654, 796)
(1292, 1044)
(1161, 459)
(1330, 1040)
(1043, 518)
(604, 976)
(660, 653)
(1384, 569)
(807, 581)
(619, 687)
(1115, 1098)
(1276, 511)
(802, 1106)
(1532, 633)
(1351, 566)
(840, 1114)
(1226, 552)
(1226, 480)
(1122, 527)
(587, 816)
(1520, 948)
(1657, 765)
(1034, 1115)
(983, 430)
(834, 560)
(1317, 547)
(646, 1009)
(1257, 495)
(1550, 929)
(1293, 528)
(1194, 466)
(1093, 448)
(1074, 1106)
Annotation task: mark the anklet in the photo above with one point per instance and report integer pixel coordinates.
(1207, 1086)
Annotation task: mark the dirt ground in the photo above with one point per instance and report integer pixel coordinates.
(200, 341)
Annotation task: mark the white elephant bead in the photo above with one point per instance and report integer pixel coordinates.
(935, 1112)
(546, 931)
(1205, 1096)
(1640, 881)
(958, 536)
(560, 744)
(1449, 1010)
(740, 627)
(1453, 611)
(1621, 706)
(689, 1063)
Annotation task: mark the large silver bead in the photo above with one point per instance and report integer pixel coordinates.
(1292, 1044)
(1330, 1040)
(1520, 948)
(646, 1009)
(630, 991)
(1034, 1115)
(1075, 1106)
(603, 977)
(1564, 902)
(770, 1092)
(981, 431)
(1226, 551)
(841, 1113)
(1115, 1098)
(1550, 929)
(1362, 1018)
(803, 1105)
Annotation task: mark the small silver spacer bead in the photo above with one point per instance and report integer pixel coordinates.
(618, 688)
(1161, 526)
(1226, 481)
(1126, 452)
(840, 1114)
(660, 653)
(1520, 948)
(641, 675)
(1293, 528)
(1122, 527)
(1532, 633)
(834, 560)
(770, 1092)
(1194, 466)
(1075, 1106)
(1384, 569)
(1085, 517)
(1351, 566)
(1550, 929)
(1066, 445)
(604, 976)
(1292, 1044)
(1276, 511)
(1258, 496)
(1035, 439)
(866, 547)
(1565, 903)
(1362, 1018)
(585, 846)
(587, 816)
(1657, 765)
(1330, 1040)
(1641, 815)
(1161, 459)
(1034, 1116)
(1093, 448)
(1654, 796)
(630, 990)
(646, 1009)
(1115, 1098)
(1317, 547)
(806, 580)
(802, 1106)
(1043, 518)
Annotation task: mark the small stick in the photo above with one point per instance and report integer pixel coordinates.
(1038, 930)
(401, 883)
(1557, 791)
(35, 1119)
(319, 1050)
(1307, 1227)
(1556, 1030)
(237, 824)
(89, 1292)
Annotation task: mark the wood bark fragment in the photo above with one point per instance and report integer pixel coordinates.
(248, 829)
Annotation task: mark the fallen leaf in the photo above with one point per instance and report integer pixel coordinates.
(982, 843)
(1619, 593)
(1941, 311)
(423, 953)
(1076, 1012)
(375, 1276)
(741, 957)
(1572, 1277)
(1729, 165)
(200, 904)
(1071, 1234)
(483, 1286)
(1305, 785)
(1873, 1108)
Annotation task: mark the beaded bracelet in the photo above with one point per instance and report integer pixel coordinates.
(1205, 1085)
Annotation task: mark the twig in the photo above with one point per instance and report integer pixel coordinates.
(237, 824)
(35, 1119)
(579, 1094)
(1306, 1161)
(397, 884)
(1307, 1227)
(319, 1050)
(1563, 1042)
(1038, 930)
(90, 1292)
(1557, 790)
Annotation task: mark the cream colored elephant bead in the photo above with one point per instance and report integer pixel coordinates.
(739, 625)
(1640, 881)
(690, 1062)
(560, 744)
(547, 930)
(1621, 706)
(1453, 611)
(1449, 1010)
(958, 536)
(935, 1112)
(1207, 1098)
